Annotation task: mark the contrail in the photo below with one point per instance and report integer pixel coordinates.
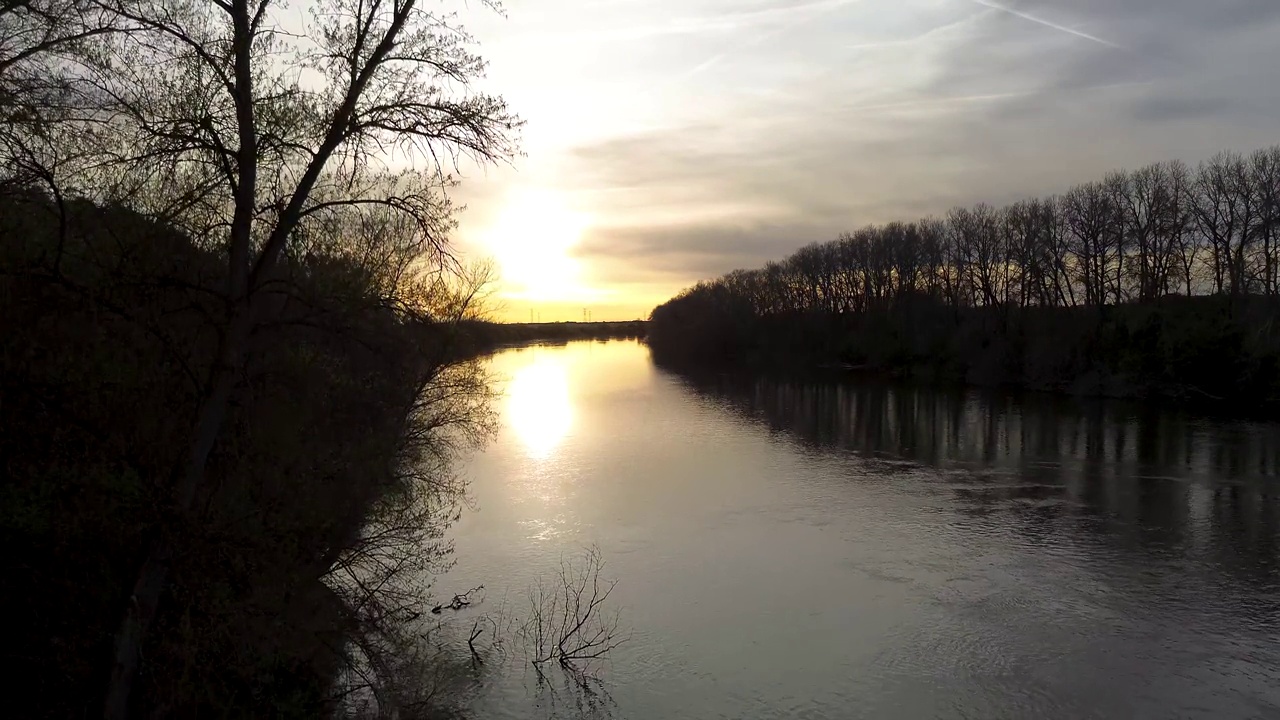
(1047, 23)
(817, 9)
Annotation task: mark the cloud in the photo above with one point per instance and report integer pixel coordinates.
(746, 129)
(1177, 108)
(702, 248)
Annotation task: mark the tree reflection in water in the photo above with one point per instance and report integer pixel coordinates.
(1145, 477)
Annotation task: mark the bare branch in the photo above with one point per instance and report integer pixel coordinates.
(568, 623)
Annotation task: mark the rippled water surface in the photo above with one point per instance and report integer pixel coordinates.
(825, 548)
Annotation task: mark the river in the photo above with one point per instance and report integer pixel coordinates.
(833, 548)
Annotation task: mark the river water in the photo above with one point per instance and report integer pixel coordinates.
(831, 548)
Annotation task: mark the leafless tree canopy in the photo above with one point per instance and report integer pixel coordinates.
(1135, 236)
(1159, 282)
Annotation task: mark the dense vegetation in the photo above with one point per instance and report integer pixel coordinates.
(234, 374)
(332, 466)
(1159, 282)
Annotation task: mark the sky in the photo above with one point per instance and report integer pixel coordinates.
(668, 141)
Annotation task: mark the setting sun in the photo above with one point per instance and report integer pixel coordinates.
(531, 239)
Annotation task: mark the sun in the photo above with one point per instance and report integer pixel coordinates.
(532, 239)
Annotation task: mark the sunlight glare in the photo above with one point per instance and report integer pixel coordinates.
(531, 240)
(539, 408)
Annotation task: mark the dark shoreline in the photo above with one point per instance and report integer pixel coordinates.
(922, 377)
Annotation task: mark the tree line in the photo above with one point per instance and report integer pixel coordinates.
(1133, 239)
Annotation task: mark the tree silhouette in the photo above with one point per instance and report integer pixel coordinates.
(985, 282)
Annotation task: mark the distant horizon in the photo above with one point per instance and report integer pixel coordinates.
(559, 313)
(671, 142)
(509, 312)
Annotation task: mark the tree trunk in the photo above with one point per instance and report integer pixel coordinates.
(153, 575)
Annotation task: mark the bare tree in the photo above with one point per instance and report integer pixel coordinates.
(569, 623)
(257, 133)
(1024, 244)
(1183, 239)
(980, 252)
(1115, 187)
(1264, 168)
(1056, 251)
(1145, 201)
(1088, 214)
(933, 238)
(1218, 214)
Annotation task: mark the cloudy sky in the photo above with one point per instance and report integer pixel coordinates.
(673, 140)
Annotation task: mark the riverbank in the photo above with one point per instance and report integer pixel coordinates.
(1210, 352)
(310, 551)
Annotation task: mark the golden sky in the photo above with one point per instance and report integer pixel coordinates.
(673, 140)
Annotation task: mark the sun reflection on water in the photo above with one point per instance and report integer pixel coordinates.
(539, 408)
